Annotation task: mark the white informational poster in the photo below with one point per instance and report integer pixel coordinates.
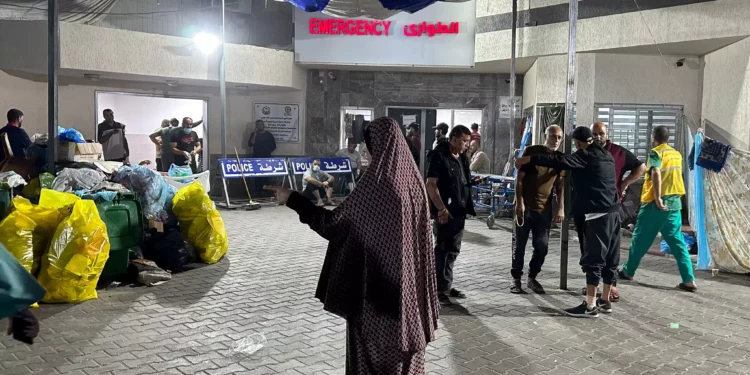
(408, 119)
(282, 120)
(505, 106)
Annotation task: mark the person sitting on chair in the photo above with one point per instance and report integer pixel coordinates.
(316, 183)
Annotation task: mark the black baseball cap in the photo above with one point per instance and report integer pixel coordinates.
(582, 133)
(442, 126)
(413, 125)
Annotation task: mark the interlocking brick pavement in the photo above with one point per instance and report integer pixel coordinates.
(267, 282)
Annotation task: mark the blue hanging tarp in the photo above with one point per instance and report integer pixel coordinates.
(699, 207)
(378, 9)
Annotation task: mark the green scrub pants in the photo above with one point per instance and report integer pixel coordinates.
(651, 221)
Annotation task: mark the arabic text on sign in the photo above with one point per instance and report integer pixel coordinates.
(348, 27)
(429, 29)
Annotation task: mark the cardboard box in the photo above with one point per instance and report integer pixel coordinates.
(72, 152)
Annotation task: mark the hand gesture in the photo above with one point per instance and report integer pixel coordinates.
(443, 217)
(559, 217)
(281, 193)
(660, 204)
(520, 162)
(520, 209)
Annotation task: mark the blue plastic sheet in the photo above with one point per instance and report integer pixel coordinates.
(70, 135)
(179, 171)
(98, 197)
(698, 203)
(153, 192)
(689, 242)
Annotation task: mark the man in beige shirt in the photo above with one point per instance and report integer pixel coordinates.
(480, 162)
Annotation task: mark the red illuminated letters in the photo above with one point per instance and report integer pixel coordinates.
(339, 26)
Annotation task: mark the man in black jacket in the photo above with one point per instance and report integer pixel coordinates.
(593, 173)
(449, 189)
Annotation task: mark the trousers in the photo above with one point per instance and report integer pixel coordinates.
(538, 225)
(600, 247)
(447, 247)
(651, 221)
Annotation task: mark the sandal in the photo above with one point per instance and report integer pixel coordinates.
(691, 289)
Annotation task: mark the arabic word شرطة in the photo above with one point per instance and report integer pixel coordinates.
(429, 29)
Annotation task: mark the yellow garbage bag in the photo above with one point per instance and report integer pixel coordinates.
(76, 256)
(28, 229)
(201, 223)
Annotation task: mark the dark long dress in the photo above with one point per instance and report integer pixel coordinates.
(379, 270)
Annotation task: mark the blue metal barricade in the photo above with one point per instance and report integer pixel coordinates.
(299, 166)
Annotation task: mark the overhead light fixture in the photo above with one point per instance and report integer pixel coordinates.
(172, 83)
(206, 43)
(91, 77)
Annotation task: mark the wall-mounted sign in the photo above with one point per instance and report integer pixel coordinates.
(418, 39)
(333, 26)
(282, 120)
(505, 106)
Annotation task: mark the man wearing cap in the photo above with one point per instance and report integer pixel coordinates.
(625, 161)
(594, 181)
(441, 134)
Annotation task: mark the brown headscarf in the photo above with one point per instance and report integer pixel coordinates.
(379, 271)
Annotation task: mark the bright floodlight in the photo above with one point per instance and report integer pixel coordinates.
(206, 42)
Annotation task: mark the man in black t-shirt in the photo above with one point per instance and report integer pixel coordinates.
(449, 188)
(17, 137)
(185, 144)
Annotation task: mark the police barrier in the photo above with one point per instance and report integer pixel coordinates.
(252, 167)
(299, 166)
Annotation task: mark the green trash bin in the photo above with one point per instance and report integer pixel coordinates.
(5, 200)
(124, 222)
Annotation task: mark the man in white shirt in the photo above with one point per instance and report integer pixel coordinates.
(355, 159)
(316, 183)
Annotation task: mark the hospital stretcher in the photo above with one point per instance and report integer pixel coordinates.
(495, 193)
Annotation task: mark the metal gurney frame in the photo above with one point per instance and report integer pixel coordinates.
(501, 190)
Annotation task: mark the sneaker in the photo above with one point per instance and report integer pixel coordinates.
(583, 311)
(444, 299)
(604, 306)
(534, 286)
(516, 288)
(455, 293)
(621, 275)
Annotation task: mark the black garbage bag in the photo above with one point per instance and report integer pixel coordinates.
(167, 249)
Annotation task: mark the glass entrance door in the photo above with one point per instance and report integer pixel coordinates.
(425, 118)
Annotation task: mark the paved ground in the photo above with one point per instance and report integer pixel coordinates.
(266, 284)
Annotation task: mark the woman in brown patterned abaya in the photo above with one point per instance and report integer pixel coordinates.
(379, 270)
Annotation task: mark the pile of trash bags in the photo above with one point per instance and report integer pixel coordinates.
(56, 232)
(76, 257)
(201, 223)
(62, 241)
